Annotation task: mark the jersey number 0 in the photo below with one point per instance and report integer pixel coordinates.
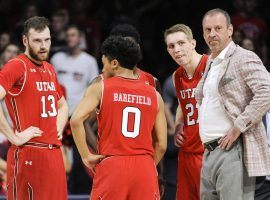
(137, 120)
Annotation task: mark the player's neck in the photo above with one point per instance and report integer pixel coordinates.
(191, 67)
(127, 73)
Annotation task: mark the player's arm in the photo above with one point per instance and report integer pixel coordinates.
(67, 161)
(169, 117)
(3, 165)
(87, 105)
(160, 132)
(3, 169)
(91, 137)
(179, 123)
(62, 116)
(158, 85)
(15, 138)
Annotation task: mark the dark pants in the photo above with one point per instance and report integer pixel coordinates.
(262, 191)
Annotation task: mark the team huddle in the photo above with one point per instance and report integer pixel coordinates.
(221, 100)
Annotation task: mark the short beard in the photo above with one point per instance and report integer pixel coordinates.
(35, 56)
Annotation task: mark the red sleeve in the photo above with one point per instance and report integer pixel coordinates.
(12, 74)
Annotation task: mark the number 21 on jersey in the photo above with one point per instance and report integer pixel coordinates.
(190, 118)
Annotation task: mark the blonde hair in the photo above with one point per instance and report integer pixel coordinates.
(179, 28)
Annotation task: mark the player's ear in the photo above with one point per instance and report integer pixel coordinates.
(193, 42)
(114, 64)
(230, 30)
(25, 40)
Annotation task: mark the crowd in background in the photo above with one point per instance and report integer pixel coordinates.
(78, 27)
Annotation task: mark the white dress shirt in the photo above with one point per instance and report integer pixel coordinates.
(267, 117)
(213, 120)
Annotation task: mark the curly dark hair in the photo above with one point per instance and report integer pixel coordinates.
(126, 30)
(125, 50)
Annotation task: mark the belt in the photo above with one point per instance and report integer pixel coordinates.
(210, 146)
(42, 145)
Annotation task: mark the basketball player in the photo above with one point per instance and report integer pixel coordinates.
(124, 30)
(181, 47)
(128, 112)
(39, 112)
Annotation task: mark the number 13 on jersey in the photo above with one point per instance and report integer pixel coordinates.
(48, 112)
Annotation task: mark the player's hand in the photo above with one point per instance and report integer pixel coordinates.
(27, 135)
(92, 160)
(3, 176)
(59, 135)
(228, 140)
(179, 138)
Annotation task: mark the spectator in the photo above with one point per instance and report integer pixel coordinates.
(248, 44)
(10, 51)
(29, 10)
(238, 37)
(4, 40)
(88, 25)
(252, 25)
(75, 69)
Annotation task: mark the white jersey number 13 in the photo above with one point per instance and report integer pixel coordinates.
(52, 112)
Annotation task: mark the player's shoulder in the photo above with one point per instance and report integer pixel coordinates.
(97, 79)
(47, 64)
(204, 58)
(202, 64)
(178, 71)
(49, 67)
(147, 74)
(19, 61)
(146, 77)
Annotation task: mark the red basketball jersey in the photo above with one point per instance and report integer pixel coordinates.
(143, 76)
(185, 91)
(126, 117)
(32, 95)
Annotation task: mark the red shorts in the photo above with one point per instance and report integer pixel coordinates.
(189, 173)
(126, 177)
(36, 173)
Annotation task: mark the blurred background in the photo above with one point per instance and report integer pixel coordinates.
(93, 20)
